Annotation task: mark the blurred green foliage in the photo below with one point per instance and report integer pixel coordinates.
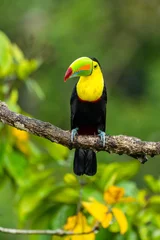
(36, 179)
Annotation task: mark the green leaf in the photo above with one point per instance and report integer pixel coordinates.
(116, 172)
(5, 55)
(131, 235)
(35, 88)
(89, 191)
(61, 214)
(26, 67)
(23, 69)
(130, 188)
(33, 197)
(17, 53)
(155, 200)
(152, 183)
(16, 165)
(156, 234)
(63, 194)
(3, 147)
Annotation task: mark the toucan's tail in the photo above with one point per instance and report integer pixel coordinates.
(85, 162)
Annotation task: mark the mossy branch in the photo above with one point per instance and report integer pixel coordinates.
(120, 144)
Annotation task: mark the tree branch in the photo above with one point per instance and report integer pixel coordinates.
(120, 144)
(58, 232)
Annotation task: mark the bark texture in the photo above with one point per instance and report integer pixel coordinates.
(119, 144)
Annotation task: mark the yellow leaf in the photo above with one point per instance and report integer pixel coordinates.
(20, 135)
(121, 219)
(21, 140)
(99, 211)
(114, 194)
(78, 224)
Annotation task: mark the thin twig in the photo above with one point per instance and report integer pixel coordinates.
(58, 232)
(120, 144)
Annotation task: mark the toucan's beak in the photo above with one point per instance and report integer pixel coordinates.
(80, 67)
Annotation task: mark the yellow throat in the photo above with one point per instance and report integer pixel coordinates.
(90, 88)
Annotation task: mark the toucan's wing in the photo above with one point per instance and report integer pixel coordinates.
(103, 102)
(73, 103)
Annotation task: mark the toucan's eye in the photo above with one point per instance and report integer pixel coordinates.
(95, 66)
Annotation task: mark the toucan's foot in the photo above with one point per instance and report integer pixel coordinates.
(74, 132)
(102, 136)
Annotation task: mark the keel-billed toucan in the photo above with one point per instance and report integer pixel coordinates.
(88, 109)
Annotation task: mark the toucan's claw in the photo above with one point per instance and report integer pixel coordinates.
(74, 132)
(102, 136)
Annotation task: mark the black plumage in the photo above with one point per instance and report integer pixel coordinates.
(89, 117)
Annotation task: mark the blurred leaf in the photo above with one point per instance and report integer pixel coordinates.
(131, 235)
(142, 197)
(152, 183)
(156, 234)
(121, 219)
(5, 55)
(17, 166)
(14, 96)
(12, 101)
(117, 171)
(32, 198)
(18, 55)
(66, 195)
(57, 151)
(145, 216)
(130, 188)
(35, 178)
(35, 88)
(78, 223)
(26, 67)
(113, 194)
(61, 214)
(3, 146)
(90, 191)
(144, 233)
(70, 179)
(155, 200)
(99, 211)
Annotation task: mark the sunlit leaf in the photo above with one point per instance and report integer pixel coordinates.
(155, 199)
(57, 151)
(17, 53)
(142, 197)
(66, 195)
(5, 55)
(78, 224)
(120, 171)
(21, 140)
(121, 219)
(70, 178)
(114, 194)
(26, 67)
(99, 211)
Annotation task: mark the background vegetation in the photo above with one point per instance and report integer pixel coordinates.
(37, 188)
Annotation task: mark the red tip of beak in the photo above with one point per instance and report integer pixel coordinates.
(68, 74)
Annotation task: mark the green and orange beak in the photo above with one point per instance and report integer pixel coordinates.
(80, 67)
